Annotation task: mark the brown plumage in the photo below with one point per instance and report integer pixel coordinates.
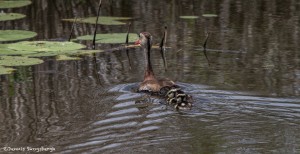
(150, 83)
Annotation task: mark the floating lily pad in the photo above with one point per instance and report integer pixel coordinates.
(86, 52)
(103, 20)
(65, 57)
(14, 35)
(18, 61)
(45, 49)
(11, 16)
(42, 54)
(81, 52)
(45, 46)
(13, 4)
(210, 15)
(5, 51)
(6, 70)
(189, 17)
(110, 37)
(71, 52)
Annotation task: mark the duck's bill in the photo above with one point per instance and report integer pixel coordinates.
(137, 42)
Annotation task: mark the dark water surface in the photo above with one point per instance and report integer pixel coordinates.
(246, 101)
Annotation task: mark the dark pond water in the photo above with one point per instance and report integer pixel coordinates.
(246, 101)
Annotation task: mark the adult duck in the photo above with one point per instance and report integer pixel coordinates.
(165, 87)
(150, 83)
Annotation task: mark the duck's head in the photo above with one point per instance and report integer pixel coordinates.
(145, 40)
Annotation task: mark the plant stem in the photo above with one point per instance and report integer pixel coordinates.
(162, 47)
(204, 47)
(72, 29)
(127, 51)
(95, 32)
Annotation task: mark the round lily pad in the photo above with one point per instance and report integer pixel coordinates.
(14, 35)
(42, 54)
(13, 4)
(210, 15)
(71, 52)
(65, 57)
(86, 52)
(11, 16)
(5, 70)
(5, 51)
(189, 17)
(110, 37)
(18, 61)
(103, 20)
(45, 46)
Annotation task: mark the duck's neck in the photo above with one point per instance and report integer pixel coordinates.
(149, 74)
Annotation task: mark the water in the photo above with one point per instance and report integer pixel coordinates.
(246, 100)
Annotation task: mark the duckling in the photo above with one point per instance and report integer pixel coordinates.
(179, 99)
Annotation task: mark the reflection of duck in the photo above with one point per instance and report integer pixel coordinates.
(166, 87)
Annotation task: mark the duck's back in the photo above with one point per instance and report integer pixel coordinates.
(155, 85)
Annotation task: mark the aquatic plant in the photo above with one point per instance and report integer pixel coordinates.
(103, 20)
(11, 16)
(15, 35)
(110, 38)
(13, 4)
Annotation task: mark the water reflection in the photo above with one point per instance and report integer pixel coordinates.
(219, 120)
(246, 101)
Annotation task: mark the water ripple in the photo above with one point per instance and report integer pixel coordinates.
(127, 122)
(134, 122)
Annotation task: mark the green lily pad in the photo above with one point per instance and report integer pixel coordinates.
(209, 15)
(71, 52)
(42, 54)
(18, 61)
(55, 53)
(82, 52)
(86, 52)
(189, 17)
(5, 51)
(44, 49)
(110, 37)
(65, 57)
(13, 4)
(14, 35)
(6, 70)
(45, 46)
(74, 54)
(11, 16)
(103, 20)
